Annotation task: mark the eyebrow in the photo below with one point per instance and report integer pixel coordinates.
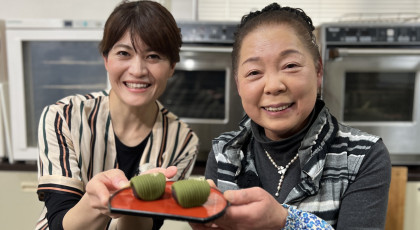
(282, 54)
(121, 45)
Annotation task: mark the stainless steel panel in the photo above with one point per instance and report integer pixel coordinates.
(201, 62)
(400, 137)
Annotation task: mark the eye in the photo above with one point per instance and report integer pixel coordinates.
(291, 65)
(253, 73)
(153, 56)
(123, 53)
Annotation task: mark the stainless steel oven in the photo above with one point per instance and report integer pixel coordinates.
(202, 91)
(51, 59)
(372, 82)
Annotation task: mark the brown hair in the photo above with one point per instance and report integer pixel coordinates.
(275, 14)
(147, 20)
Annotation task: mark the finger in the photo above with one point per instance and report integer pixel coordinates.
(98, 192)
(115, 216)
(118, 178)
(168, 172)
(211, 225)
(171, 171)
(211, 183)
(243, 196)
(206, 226)
(196, 226)
(113, 179)
(103, 184)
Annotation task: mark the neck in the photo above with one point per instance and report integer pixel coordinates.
(131, 124)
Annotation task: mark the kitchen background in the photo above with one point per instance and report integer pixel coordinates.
(19, 206)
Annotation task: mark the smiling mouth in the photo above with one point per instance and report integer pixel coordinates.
(136, 85)
(277, 109)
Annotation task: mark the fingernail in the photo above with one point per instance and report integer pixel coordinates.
(228, 195)
(123, 184)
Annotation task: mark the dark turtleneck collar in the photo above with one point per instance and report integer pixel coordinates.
(290, 145)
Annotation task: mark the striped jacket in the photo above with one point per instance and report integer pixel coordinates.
(330, 157)
(76, 141)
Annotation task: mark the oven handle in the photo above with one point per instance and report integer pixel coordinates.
(342, 52)
(215, 49)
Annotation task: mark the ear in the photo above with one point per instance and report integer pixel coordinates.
(172, 69)
(237, 84)
(105, 62)
(320, 73)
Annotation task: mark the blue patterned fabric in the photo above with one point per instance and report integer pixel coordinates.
(298, 219)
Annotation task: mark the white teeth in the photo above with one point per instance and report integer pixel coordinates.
(276, 109)
(136, 85)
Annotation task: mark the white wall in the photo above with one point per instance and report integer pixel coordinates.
(208, 10)
(63, 9)
(66, 9)
(319, 10)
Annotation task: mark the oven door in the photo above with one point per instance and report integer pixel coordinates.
(202, 93)
(45, 65)
(377, 91)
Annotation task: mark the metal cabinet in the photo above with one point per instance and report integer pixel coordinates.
(20, 208)
(412, 206)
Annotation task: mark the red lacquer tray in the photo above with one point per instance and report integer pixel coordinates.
(124, 202)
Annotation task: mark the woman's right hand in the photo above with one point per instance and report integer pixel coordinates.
(92, 212)
(266, 212)
(102, 186)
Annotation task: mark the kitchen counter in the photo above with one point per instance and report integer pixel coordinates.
(17, 166)
(200, 166)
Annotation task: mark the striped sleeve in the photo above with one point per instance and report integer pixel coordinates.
(57, 164)
(92, 121)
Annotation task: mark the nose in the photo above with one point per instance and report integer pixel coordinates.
(138, 67)
(274, 84)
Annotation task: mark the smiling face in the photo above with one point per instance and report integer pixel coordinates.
(138, 75)
(277, 80)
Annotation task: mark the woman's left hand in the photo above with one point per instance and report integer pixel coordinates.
(168, 172)
(251, 208)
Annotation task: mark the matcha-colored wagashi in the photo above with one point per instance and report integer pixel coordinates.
(191, 193)
(148, 186)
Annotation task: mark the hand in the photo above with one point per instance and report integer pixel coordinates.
(101, 186)
(251, 208)
(168, 172)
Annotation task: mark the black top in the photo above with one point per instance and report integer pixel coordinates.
(128, 158)
(282, 152)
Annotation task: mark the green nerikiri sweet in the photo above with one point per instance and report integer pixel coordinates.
(148, 186)
(191, 193)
